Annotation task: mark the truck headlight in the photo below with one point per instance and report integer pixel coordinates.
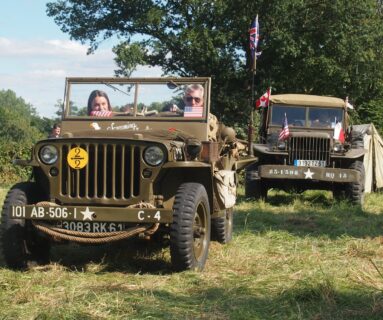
(281, 145)
(338, 147)
(154, 156)
(48, 154)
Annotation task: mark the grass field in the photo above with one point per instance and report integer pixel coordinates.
(294, 257)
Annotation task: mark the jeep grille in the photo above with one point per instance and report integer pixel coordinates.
(309, 148)
(112, 172)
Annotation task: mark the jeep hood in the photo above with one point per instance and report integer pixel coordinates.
(151, 135)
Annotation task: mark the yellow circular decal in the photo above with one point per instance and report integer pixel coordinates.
(77, 158)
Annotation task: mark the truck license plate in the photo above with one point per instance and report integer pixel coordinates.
(309, 163)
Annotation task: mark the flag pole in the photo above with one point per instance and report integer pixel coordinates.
(253, 51)
(251, 125)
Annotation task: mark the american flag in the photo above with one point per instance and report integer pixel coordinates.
(284, 134)
(254, 38)
(95, 113)
(193, 112)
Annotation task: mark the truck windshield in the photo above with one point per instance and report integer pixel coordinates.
(324, 117)
(296, 116)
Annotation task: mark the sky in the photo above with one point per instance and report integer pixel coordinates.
(36, 56)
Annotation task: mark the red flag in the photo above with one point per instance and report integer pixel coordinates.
(264, 100)
(284, 134)
(338, 132)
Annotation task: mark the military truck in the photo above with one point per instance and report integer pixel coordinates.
(306, 142)
(151, 168)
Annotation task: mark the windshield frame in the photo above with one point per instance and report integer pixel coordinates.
(171, 83)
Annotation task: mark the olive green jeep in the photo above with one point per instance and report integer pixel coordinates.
(150, 167)
(305, 142)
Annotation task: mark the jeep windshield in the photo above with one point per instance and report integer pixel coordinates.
(160, 98)
(309, 117)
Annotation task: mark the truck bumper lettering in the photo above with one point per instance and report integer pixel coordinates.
(308, 173)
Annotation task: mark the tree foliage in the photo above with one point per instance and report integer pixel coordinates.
(18, 131)
(329, 47)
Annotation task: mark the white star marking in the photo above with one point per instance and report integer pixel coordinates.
(87, 214)
(308, 174)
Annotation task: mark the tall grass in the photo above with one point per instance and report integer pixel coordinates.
(297, 256)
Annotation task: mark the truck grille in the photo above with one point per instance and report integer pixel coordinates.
(309, 148)
(112, 172)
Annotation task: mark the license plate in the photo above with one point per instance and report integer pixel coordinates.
(93, 227)
(309, 163)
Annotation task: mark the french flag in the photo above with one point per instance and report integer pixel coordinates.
(338, 132)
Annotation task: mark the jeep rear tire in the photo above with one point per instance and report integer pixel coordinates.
(190, 229)
(222, 227)
(21, 244)
(354, 191)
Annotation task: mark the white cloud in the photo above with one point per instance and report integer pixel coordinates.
(36, 69)
(12, 48)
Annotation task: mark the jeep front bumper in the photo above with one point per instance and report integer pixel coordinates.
(91, 214)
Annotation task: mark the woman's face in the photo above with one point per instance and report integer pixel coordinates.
(100, 104)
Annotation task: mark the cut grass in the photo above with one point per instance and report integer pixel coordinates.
(294, 257)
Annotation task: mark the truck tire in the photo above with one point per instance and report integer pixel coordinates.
(354, 191)
(21, 244)
(222, 227)
(190, 229)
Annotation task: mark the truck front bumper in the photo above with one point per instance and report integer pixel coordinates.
(308, 173)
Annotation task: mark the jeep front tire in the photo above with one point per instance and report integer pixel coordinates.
(21, 244)
(190, 229)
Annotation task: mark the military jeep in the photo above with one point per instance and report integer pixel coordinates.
(316, 150)
(146, 169)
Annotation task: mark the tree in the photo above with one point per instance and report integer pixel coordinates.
(17, 134)
(330, 47)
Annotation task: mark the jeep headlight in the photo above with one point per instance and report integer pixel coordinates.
(154, 156)
(48, 154)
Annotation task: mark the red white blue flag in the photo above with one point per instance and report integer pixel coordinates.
(193, 112)
(284, 134)
(254, 39)
(106, 113)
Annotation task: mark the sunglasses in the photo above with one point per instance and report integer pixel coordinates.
(196, 99)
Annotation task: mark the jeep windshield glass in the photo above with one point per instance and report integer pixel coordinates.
(136, 99)
(295, 115)
(324, 117)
